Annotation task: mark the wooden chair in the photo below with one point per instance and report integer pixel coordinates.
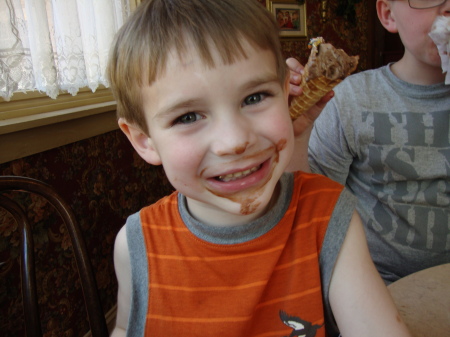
(94, 309)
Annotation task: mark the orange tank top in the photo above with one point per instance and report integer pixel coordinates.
(269, 286)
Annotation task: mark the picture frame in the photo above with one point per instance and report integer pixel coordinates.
(290, 15)
(263, 2)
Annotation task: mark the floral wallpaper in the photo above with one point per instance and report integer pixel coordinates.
(347, 31)
(105, 181)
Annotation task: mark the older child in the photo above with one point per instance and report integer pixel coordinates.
(242, 248)
(385, 135)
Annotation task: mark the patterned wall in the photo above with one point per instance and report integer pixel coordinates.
(105, 181)
(349, 30)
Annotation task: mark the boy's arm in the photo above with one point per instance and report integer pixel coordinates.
(123, 273)
(303, 124)
(361, 303)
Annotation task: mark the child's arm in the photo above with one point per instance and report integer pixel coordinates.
(123, 273)
(304, 123)
(361, 303)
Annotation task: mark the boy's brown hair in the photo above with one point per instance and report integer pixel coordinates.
(140, 50)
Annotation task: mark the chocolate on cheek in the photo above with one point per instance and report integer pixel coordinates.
(281, 144)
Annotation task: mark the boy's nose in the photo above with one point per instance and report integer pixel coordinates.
(446, 8)
(233, 136)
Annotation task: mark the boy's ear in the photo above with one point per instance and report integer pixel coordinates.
(385, 15)
(142, 143)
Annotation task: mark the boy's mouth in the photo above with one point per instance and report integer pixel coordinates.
(238, 175)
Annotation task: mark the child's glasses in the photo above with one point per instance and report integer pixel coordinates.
(423, 4)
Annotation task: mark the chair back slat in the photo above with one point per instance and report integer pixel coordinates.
(94, 309)
(27, 267)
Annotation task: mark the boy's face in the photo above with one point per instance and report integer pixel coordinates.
(413, 26)
(223, 134)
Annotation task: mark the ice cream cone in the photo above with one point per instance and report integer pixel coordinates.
(326, 67)
(313, 91)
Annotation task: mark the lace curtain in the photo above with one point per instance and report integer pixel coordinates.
(56, 45)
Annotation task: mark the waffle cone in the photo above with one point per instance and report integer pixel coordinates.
(313, 91)
(326, 67)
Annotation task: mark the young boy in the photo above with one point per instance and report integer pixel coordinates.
(385, 135)
(242, 248)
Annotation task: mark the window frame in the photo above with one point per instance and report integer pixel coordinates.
(32, 122)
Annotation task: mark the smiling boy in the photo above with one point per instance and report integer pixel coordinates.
(225, 170)
(241, 248)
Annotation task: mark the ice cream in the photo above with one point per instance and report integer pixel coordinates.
(440, 34)
(326, 67)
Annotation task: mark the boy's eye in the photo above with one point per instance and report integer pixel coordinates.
(188, 118)
(254, 98)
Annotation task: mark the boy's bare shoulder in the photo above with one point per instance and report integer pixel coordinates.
(121, 246)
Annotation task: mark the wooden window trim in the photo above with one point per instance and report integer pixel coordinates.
(31, 123)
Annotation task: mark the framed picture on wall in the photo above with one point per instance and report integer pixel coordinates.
(290, 15)
(263, 2)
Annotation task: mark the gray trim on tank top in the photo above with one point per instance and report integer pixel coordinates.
(139, 273)
(332, 243)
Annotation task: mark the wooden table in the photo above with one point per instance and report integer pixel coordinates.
(423, 300)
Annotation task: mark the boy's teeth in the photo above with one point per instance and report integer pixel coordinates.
(238, 175)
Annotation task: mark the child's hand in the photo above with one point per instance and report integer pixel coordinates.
(296, 72)
(306, 120)
(304, 123)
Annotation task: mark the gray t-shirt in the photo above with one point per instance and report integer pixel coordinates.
(388, 141)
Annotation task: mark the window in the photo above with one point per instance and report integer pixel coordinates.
(53, 56)
(56, 46)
